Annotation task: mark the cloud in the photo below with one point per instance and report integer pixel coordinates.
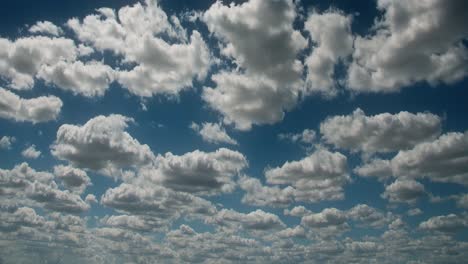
(266, 47)
(367, 215)
(378, 168)
(297, 211)
(328, 217)
(22, 59)
(31, 152)
(256, 221)
(205, 173)
(213, 133)
(34, 110)
(89, 79)
(101, 144)
(445, 223)
(404, 191)
(260, 195)
(73, 178)
(319, 176)
(306, 137)
(412, 42)
(331, 32)
(6, 142)
(462, 201)
(380, 133)
(45, 27)
(152, 64)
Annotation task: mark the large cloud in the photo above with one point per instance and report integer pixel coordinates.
(445, 223)
(442, 160)
(45, 27)
(197, 172)
(35, 110)
(380, 133)
(413, 41)
(265, 46)
(101, 144)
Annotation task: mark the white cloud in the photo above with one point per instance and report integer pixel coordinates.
(260, 195)
(404, 191)
(266, 46)
(89, 79)
(101, 144)
(412, 42)
(378, 168)
(462, 201)
(256, 221)
(306, 137)
(46, 27)
(21, 60)
(328, 217)
(297, 211)
(445, 223)
(31, 152)
(35, 110)
(213, 133)
(6, 142)
(198, 172)
(380, 133)
(414, 212)
(319, 176)
(331, 32)
(72, 178)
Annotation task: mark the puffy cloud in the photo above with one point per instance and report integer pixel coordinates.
(297, 211)
(380, 133)
(255, 221)
(320, 176)
(213, 133)
(198, 172)
(21, 60)
(260, 195)
(55, 199)
(363, 247)
(408, 191)
(72, 178)
(133, 222)
(46, 27)
(31, 152)
(306, 137)
(331, 32)
(378, 168)
(88, 79)
(266, 46)
(156, 65)
(101, 144)
(35, 110)
(328, 217)
(444, 223)
(6, 142)
(366, 215)
(412, 42)
(22, 217)
(156, 202)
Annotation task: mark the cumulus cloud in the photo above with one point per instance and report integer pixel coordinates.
(444, 223)
(307, 136)
(256, 221)
(72, 178)
(380, 133)
(328, 217)
(153, 65)
(258, 194)
(213, 133)
(101, 144)
(6, 142)
(412, 42)
(197, 172)
(22, 59)
(265, 46)
(89, 79)
(34, 110)
(331, 33)
(408, 191)
(319, 176)
(46, 27)
(31, 152)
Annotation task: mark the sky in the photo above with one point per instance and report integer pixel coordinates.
(255, 131)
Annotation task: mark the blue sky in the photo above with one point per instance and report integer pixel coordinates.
(258, 131)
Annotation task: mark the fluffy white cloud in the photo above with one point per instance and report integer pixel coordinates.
(378, 168)
(101, 144)
(331, 32)
(380, 133)
(198, 172)
(408, 191)
(72, 178)
(445, 223)
(6, 142)
(21, 60)
(306, 137)
(413, 41)
(89, 79)
(213, 133)
(256, 221)
(152, 64)
(46, 27)
(328, 217)
(266, 46)
(260, 195)
(35, 110)
(319, 176)
(31, 152)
